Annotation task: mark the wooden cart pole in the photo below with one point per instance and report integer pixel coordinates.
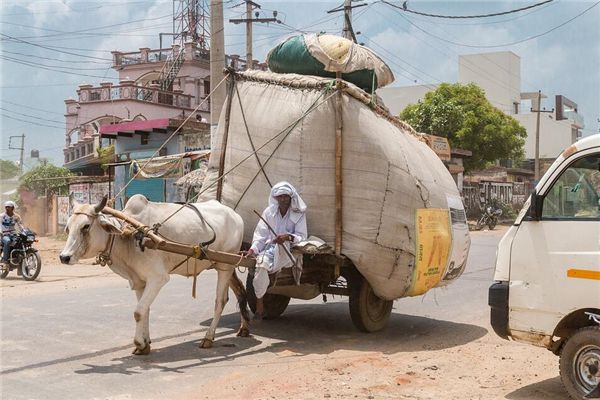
(231, 82)
(338, 164)
(135, 223)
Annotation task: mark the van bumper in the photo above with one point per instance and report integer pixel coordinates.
(498, 302)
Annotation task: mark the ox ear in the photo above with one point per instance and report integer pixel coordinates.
(98, 207)
(110, 224)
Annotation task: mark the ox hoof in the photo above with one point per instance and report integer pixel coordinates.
(205, 343)
(141, 352)
(244, 332)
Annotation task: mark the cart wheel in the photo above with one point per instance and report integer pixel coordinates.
(369, 312)
(275, 304)
(580, 362)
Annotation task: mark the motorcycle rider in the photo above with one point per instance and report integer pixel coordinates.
(10, 222)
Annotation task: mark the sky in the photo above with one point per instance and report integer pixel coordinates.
(50, 47)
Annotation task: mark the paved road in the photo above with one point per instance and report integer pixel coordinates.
(70, 336)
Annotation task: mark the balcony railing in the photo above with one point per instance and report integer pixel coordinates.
(108, 92)
(142, 56)
(191, 52)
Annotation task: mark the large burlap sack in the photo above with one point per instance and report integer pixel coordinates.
(390, 176)
(324, 55)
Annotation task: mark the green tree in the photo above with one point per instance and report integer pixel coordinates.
(8, 169)
(462, 114)
(46, 178)
(106, 155)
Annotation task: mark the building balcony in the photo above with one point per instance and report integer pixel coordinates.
(191, 53)
(83, 151)
(127, 91)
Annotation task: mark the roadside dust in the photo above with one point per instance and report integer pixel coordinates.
(436, 360)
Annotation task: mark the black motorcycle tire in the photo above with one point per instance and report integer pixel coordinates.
(25, 272)
(5, 272)
(492, 223)
(480, 223)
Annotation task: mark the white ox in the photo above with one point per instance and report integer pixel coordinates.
(148, 271)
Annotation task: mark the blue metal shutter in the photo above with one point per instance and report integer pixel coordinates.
(153, 189)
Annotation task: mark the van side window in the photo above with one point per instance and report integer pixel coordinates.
(576, 193)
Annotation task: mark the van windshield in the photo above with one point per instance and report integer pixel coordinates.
(576, 193)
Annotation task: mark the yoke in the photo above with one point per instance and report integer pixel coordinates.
(156, 242)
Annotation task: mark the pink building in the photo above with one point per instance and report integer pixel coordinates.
(153, 84)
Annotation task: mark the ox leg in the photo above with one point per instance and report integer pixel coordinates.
(146, 326)
(224, 274)
(142, 315)
(240, 293)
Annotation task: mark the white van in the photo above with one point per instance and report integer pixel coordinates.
(547, 279)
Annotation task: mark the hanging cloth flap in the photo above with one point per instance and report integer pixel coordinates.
(161, 167)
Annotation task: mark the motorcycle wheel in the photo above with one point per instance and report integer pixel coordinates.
(5, 270)
(480, 223)
(31, 265)
(492, 223)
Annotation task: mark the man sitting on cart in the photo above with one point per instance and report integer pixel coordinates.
(283, 223)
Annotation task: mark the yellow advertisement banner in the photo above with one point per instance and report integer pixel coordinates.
(434, 242)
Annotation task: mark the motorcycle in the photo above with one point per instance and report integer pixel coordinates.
(23, 256)
(489, 217)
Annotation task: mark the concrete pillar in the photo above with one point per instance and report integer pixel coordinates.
(217, 61)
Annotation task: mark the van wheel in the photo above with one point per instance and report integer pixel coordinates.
(580, 362)
(274, 304)
(369, 312)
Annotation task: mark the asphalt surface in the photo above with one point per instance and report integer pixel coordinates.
(73, 339)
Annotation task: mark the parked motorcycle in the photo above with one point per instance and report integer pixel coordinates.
(23, 256)
(489, 217)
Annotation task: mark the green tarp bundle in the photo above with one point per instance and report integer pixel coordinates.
(324, 55)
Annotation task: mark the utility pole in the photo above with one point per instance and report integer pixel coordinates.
(537, 135)
(348, 31)
(217, 62)
(250, 5)
(22, 148)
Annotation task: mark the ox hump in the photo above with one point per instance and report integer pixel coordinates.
(136, 204)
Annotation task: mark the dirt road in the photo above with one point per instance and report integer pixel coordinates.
(436, 347)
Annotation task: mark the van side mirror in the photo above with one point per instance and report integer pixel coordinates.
(535, 207)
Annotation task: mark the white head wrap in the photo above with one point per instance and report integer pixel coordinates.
(280, 188)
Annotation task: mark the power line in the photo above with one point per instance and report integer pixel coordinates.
(32, 116)
(497, 45)
(56, 59)
(50, 48)
(32, 108)
(406, 9)
(54, 66)
(481, 72)
(500, 21)
(51, 69)
(390, 54)
(33, 123)
(60, 33)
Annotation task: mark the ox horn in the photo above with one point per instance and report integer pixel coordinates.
(98, 207)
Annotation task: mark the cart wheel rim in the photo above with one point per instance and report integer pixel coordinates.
(376, 306)
(586, 367)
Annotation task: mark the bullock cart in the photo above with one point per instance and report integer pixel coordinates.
(323, 272)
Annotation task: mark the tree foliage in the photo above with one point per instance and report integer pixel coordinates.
(8, 169)
(462, 114)
(43, 179)
(106, 155)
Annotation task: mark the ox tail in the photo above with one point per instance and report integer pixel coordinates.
(240, 293)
